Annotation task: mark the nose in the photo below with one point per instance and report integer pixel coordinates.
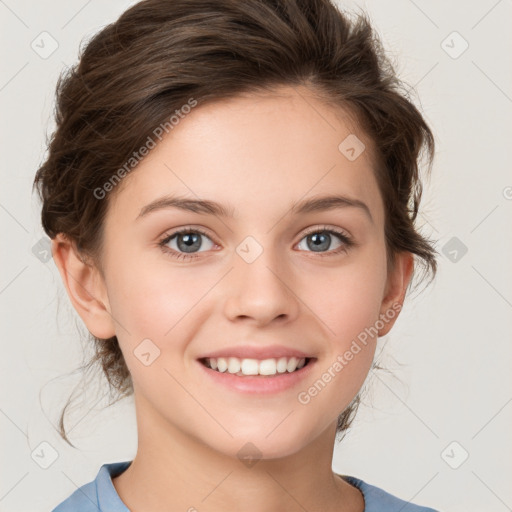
(261, 291)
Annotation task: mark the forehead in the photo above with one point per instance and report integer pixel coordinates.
(256, 153)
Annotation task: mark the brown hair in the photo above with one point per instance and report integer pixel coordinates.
(159, 54)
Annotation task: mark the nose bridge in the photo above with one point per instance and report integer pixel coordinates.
(259, 284)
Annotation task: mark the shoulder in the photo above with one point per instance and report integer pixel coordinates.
(378, 500)
(99, 495)
(84, 499)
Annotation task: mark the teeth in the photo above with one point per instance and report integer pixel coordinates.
(242, 367)
(233, 365)
(222, 364)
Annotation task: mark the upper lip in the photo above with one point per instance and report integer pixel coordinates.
(252, 352)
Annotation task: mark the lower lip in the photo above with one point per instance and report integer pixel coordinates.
(259, 384)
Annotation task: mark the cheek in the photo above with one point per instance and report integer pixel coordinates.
(347, 302)
(148, 301)
(347, 299)
(158, 305)
(152, 303)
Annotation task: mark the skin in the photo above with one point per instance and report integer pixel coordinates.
(257, 154)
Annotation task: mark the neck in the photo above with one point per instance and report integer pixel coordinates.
(174, 470)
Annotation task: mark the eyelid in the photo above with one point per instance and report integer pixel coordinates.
(204, 231)
(325, 227)
(170, 233)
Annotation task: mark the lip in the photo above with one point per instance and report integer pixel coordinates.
(258, 384)
(257, 352)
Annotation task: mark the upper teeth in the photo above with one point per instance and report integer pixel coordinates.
(255, 366)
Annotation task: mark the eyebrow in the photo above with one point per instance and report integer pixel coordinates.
(208, 207)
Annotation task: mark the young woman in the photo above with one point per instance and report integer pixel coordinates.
(231, 193)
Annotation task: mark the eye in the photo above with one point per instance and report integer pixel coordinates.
(187, 240)
(184, 243)
(319, 239)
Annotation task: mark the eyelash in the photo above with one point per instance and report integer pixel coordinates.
(347, 242)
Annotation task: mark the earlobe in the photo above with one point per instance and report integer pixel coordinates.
(396, 288)
(85, 287)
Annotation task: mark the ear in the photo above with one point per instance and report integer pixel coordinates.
(396, 288)
(85, 286)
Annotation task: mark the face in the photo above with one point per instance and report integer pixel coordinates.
(267, 273)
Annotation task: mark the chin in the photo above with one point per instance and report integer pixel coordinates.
(261, 443)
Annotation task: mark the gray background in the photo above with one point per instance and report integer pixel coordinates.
(449, 395)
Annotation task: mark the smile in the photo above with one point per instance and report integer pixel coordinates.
(246, 367)
(257, 377)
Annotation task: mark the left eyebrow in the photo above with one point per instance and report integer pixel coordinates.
(331, 202)
(204, 206)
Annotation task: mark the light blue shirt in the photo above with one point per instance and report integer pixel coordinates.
(100, 495)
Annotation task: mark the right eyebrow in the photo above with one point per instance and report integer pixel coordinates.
(187, 204)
